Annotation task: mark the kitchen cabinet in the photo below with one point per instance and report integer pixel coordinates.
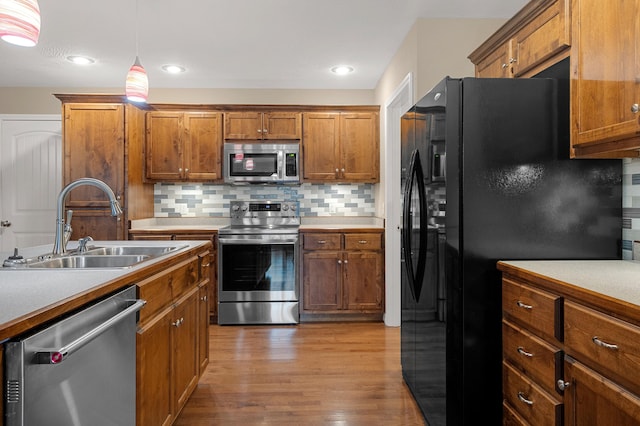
(192, 235)
(342, 274)
(605, 78)
(341, 147)
(183, 146)
(169, 334)
(538, 36)
(564, 346)
(103, 139)
(253, 125)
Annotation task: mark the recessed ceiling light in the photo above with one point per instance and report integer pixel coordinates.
(342, 70)
(80, 60)
(173, 69)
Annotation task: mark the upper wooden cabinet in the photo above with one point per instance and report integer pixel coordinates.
(183, 146)
(341, 147)
(605, 78)
(262, 125)
(103, 138)
(538, 36)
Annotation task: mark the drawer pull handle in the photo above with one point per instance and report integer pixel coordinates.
(322, 241)
(522, 398)
(602, 344)
(206, 265)
(363, 242)
(523, 305)
(521, 351)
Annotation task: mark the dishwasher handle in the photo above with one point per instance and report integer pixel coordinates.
(56, 356)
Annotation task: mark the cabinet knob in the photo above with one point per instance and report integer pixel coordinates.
(512, 60)
(259, 130)
(265, 130)
(346, 261)
(178, 322)
(339, 262)
(504, 66)
(203, 298)
(337, 170)
(343, 170)
(180, 170)
(321, 242)
(186, 170)
(363, 242)
(635, 108)
(562, 385)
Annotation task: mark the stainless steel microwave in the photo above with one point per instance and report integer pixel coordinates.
(276, 163)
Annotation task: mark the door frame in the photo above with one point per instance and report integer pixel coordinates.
(400, 101)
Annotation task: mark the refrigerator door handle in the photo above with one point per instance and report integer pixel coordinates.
(415, 174)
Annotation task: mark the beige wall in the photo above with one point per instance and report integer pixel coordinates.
(433, 49)
(40, 100)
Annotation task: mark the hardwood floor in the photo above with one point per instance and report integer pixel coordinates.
(309, 374)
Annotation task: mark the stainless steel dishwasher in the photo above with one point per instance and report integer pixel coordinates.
(78, 371)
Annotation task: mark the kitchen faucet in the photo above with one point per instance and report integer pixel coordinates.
(60, 244)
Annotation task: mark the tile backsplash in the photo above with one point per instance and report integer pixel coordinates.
(204, 200)
(630, 206)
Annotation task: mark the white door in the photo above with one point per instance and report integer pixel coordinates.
(30, 179)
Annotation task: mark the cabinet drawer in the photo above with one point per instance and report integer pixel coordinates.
(510, 417)
(183, 277)
(528, 399)
(607, 344)
(532, 356)
(157, 292)
(371, 241)
(540, 310)
(322, 241)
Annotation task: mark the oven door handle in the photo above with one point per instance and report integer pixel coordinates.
(263, 241)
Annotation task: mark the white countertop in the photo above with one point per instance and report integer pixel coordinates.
(619, 279)
(26, 291)
(215, 223)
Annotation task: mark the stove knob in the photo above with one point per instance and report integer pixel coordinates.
(285, 207)
(244, 207)
(235, 207)
(293, 207)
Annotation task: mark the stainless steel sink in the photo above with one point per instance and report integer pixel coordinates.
(89, 261)
(129, 250)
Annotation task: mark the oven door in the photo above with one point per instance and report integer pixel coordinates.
(257, 268)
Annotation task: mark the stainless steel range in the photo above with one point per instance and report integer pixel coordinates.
(258, 264)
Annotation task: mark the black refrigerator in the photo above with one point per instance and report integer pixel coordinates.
(486, 176)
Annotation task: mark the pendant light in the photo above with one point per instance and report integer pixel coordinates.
(20, 22)
(137, 85)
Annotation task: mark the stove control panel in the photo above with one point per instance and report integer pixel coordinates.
(264, 209)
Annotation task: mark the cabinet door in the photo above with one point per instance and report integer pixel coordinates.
(185, 348)
(282, 125)
(153, 377)
(320, 146)
(605, 85)
(591, 399)
(203, 326)
(164, 146)
(97, 223)
(93, 147)
(243, 125)
(203, 146)
(363, 281)
(497, 64)
(544, 37)
(322, 280)
(360, 153)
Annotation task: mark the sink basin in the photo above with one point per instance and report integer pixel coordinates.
(129, 251)
(90, 261)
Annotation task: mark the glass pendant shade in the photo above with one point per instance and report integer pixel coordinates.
(20, 22)
(137, 86)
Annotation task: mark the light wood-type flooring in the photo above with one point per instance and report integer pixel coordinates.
(309, 374)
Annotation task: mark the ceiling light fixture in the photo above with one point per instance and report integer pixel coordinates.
(20, 22)
(342, 70)
(173, 69)
(137, 85)
(80, 60)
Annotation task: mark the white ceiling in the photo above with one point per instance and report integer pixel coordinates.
(226, 43)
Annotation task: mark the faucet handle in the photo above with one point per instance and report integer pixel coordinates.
(82, 243)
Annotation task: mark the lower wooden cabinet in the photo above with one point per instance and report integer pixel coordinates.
(342, 274)
(170, 340)
(185, 234)
(570, 357)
